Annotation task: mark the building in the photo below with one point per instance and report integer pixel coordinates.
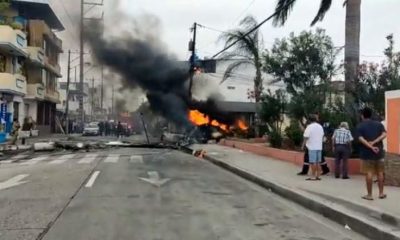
(29, 63)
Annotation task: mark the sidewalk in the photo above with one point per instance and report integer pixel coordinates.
(343, 196)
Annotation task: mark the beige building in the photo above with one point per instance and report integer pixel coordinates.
(29, 62)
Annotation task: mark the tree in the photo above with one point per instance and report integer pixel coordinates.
(273, 108)
(352, 35)
(4, 5)
(305, 64)
(375, 79)
(246, 51)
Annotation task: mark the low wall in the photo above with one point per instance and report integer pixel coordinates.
(286, 155)
(392, 169)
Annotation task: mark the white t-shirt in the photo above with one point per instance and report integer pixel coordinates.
(315, 134)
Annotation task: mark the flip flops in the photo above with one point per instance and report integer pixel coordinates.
(366, 197)
(383, 196)
(313, 179)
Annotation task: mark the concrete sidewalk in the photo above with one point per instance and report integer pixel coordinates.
(335, 198)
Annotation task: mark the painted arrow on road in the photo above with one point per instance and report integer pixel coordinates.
(13, 182)
(154, 179)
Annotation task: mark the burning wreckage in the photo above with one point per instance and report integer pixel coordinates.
(141, 61)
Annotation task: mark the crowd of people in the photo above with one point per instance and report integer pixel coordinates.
(369, 133)
(111, 129)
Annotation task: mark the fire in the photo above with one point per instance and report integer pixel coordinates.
(242, 125)
(198, 118)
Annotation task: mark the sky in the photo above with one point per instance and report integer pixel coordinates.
(378, 19)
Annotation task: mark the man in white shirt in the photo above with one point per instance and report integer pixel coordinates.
(313, 140)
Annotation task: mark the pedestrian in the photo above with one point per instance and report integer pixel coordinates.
(101, 128)
(371, 133)
(27, 126)
(313, 140)
(306, 164)
(107, 128)
(341, 146)
(15, 131)
(120, 130)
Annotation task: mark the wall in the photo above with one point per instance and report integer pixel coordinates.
(393, 121)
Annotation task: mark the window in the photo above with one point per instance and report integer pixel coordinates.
(3, 63)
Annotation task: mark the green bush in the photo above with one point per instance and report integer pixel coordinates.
(294, 133)
(275, 138)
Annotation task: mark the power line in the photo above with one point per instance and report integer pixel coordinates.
(254, 28)
(212, 29)
(72, 33)
(243, 12)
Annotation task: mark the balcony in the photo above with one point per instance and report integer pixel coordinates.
(35, 91)
(13, 41)
(36, 56)
(52, 96)
(54, 68)
(13, 84)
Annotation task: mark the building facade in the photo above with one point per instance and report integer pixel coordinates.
(29, 63)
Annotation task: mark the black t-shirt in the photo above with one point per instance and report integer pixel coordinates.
(370, 130)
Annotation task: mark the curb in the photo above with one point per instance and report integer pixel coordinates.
(336, 213)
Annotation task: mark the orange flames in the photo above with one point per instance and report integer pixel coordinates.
(198, 118)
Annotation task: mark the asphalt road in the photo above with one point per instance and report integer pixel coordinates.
(144, 194)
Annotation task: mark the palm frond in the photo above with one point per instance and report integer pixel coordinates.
(282, 9)
(323, 8)
(234, 66)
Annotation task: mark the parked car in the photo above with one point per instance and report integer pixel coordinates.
(91, 129)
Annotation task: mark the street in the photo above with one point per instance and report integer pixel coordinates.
(144, 194)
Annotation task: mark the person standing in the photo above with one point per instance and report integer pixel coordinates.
(15, 131)
(341, 146)
(371, 134)
(120, 130)
(313, 140)
(306, 164)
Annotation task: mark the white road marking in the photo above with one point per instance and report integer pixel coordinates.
(112, 158)
(12, 182)
(90, 183)
(88, 158)
(62, 159)
(6, 162)
(136, 159)
(34, 160)
(19, 157)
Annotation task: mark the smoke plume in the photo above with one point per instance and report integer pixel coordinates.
(142, 61)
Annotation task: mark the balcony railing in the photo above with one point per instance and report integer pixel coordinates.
(54, 68)
(13, 83)
(36, 55)
(13, 41)
(35, 91)
(52, 96)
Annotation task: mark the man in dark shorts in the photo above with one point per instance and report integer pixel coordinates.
(370, 134)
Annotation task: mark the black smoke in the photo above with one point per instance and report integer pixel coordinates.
(142, 62)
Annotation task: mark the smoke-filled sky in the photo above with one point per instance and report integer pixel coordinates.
(379, 18)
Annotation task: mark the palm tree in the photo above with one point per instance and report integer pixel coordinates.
(352, 35)
(246, 52)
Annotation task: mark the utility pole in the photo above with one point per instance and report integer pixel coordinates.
(82, 48)
(192, 47)
(67, 94)
(112, 102)
(81, 65)
(102, 88)
(92, 108)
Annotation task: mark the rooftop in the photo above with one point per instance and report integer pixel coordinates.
(39, 9)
